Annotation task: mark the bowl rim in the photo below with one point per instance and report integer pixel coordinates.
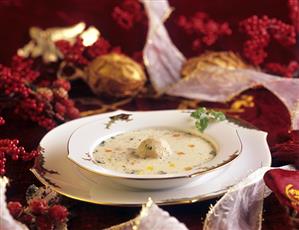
(191, 174)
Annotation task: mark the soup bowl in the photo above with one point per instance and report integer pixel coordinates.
(84, 148)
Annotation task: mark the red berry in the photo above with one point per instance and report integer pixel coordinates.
(58, 212)
(15, 208)
(73, 113)
(2, 121)
(100, 47)
(15, 157)
(27, 219)
(60, 108)
(38, 206)
(44, 223)
(61, 83)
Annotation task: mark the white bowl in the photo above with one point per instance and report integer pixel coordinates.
(83, 141)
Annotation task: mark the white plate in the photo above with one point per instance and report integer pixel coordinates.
(84, 140)
(54, 169)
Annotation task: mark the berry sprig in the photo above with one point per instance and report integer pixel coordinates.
(72, 53)
(100, 47)
(10, 147)
(79, 55)
(44, 102)
(39, 211)
(128, 13)
(260, 32)
(42, 211)
(290, 71)
(203, 29)
(294, 13)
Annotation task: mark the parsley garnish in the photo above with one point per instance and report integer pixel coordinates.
(203, 116)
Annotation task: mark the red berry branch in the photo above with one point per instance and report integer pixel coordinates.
(9, 147)
(31, 98)
(128, 13)
(40, 212)
(260, 31)
(289, 71)
(203, 29)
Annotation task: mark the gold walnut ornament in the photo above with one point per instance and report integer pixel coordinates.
(114, 75)
(226, 60)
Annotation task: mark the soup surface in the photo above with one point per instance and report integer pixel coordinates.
(184, 152)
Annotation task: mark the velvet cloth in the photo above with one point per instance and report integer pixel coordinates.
(268, 114)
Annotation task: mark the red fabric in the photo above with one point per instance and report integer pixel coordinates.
(285, 185)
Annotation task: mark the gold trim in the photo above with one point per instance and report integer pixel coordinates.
(104, 108)
(118, 117)
(232, 157)
(40, 168)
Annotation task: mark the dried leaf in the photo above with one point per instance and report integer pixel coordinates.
(151, 217)
(162, 59)
(220, 85)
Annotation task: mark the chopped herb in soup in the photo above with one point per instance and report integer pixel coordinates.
(154, 151)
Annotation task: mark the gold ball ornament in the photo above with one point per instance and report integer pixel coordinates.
(227, 60)
(115, 75)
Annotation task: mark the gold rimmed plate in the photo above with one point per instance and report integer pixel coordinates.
(54, 169)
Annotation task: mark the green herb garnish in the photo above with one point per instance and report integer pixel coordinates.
(203, 116)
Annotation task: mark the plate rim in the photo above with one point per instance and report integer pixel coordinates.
(166, 202)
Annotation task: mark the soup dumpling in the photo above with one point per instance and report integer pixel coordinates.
(153, 148)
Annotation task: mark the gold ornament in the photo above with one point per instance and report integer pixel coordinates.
(114, 75)
(226, 60)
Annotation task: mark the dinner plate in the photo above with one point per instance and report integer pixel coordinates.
(222, 136)
(54, 169)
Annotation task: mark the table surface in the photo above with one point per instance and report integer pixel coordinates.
(268, 114)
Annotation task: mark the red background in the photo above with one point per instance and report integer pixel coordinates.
(17, 16)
